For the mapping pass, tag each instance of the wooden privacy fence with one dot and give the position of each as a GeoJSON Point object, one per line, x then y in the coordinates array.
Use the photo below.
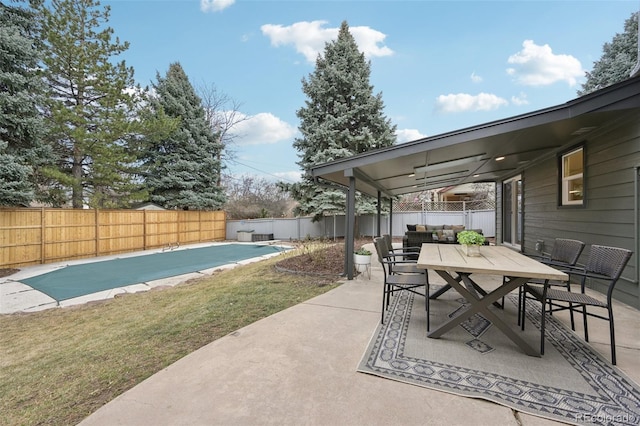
{"type": "Point", "coordinates": [31, 236]}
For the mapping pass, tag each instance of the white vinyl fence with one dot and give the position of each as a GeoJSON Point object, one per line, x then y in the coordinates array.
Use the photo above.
{"type": "Point", "coordinates": [334, 226]}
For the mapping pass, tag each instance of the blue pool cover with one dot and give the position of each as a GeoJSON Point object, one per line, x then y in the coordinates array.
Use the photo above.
{"type": "Point", "coordinates": [80, 280]}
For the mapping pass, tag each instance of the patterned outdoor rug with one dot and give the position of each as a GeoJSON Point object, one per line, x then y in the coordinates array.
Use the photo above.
{"type": "Point", "coordinates": [570, 383]}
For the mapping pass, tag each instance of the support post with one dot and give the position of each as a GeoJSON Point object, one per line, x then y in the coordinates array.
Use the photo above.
{"type": "Point", "coordinates": [350, 219]}
{"type": "Point", "coordinates": [379, 216]}
{"type": "Point", "coordinates": [391, 217]}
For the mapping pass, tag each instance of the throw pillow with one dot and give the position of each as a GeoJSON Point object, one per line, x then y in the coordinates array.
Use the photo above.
{"type": "Point", "coordinates": [448, 234]}
{"type": "Point", "coordinates": [457, 228]}
{"type": "Point", "coordinates": [421, 228]}
{"type": "Point", "coordinates": [411, 227]}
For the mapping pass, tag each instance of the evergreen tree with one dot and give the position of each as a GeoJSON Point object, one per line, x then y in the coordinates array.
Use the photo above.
{"type": "Point", "coordinates": [14, 180]}
{"type": "Point", "coordinates": [182, 170]}
{"type": "Point", "coordinates": [341, 117]}
{"type": "Point", "coordinates": [92, 107]}
{"type": "Point", "coordinates": [21, 124]}
{"type": "Point", "coordinates": [619, 57]}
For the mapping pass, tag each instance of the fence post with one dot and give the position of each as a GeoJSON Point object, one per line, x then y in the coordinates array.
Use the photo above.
{"type": "Point", "coordinates": [43, 233]}
{"type": "Point", "coordinates": [144, 230]}
{"type": "Point", "coordinates": [334, 226]}
{"type": "Point", "coordinates": [465, 216]}
{"type": "Point", "coordinates": [96, 220]}
{"type": "Point", "coordinates": [181, 220]}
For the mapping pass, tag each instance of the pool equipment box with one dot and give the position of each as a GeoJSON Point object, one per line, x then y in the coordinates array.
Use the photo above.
{"type": "Point", "coordinates": [244, 236]}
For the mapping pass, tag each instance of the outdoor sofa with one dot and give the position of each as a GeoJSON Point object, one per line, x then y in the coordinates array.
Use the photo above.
{"type": "Point", "coordinates": [416, 235]}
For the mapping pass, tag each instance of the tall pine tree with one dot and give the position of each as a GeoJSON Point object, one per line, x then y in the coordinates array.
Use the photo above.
{"type": "Point", "coordinates": [182, 170]}
{"type": "Point", "coordinates": [619, 57]}
{"type": "Point", "coordinates": [341, 117]}
{"type": "Point", "coordinates": [92, 109]}
{"type": "Point", "coordinates": [21, 124]}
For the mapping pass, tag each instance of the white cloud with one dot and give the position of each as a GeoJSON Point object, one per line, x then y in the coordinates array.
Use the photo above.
{"type": "Point", "coordinates": [519, 100]}
{"type": "Point", "coordinates": [406, 135]}
{"type": "Point", "coordinates": [460, 102]}
{"type": "Point", "coordinates": [368, 41]}
{"type": "Point", "coordinates": [263, 128]}
{"type": "Point", "coordinates": [215, 5]}
{"type": "Point", "coordinates": [475, 78]}
{"type": "Point", "coordinates": [538, 66]}
{"type": "Point", "coordinates": [309, 38]}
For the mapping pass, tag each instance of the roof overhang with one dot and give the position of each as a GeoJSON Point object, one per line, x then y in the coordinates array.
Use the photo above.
{"type": "Point", "coordinates": [489, 152]}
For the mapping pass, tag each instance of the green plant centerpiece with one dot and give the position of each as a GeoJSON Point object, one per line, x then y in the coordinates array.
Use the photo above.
{"type": "Point", "coordinates": [471, 241]}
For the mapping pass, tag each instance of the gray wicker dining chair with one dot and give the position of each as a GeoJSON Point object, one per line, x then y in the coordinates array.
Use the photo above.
{"type": "Point", "coordinates": [395, 281]}
{"type": "Point", "coordinates": [564, 255]}
{"type": "Point", "coordinates": [604, 263]}
{"type": "Point", "coordinates": [407, 267]}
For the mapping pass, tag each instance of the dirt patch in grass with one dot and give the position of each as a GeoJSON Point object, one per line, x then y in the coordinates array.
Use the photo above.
{"type": "Point", "coordinates": [322, 258]}
{"type": "Point", "coordinates": [5, 272]}
{"type": "Point", "coordinates": [327, 261]}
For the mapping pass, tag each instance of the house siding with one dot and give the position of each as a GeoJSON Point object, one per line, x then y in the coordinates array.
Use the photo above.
{"type": "Point", "coordinates": [608, 217]}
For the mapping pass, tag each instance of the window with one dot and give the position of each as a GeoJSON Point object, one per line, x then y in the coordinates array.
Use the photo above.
{"type": "Point", "coordinates": [572, 184]}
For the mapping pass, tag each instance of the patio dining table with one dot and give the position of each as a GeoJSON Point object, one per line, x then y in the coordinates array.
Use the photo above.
{"type": "Point", "coordinates": [455, 267]}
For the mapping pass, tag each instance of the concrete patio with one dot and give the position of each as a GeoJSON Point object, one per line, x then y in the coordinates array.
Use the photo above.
{"type": "Point", "coordinates": [299, 367]}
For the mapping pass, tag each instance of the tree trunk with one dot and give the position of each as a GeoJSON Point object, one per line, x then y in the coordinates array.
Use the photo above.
{"type": "Point", "coordinates": [76, 172]}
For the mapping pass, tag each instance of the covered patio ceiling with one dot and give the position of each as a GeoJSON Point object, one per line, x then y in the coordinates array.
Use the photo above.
{"type": "Point", "coordinates": [486, 153]}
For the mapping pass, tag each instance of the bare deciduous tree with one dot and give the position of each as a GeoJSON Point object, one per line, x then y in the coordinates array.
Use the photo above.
{"type": "Point", "coordinates": [222, 113]}
{"type": "Point", "coordinates": [250, 197]}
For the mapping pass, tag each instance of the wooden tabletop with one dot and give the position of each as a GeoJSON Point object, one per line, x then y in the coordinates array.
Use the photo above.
{"type": "Point", "coordinates": [493, 260]}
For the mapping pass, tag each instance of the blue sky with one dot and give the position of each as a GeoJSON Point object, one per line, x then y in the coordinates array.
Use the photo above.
{"type": "Point", "coordinates": [440, 65]}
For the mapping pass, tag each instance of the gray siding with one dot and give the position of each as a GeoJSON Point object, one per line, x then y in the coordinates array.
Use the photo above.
{"type": "Point", "coordinates": [609, 216]}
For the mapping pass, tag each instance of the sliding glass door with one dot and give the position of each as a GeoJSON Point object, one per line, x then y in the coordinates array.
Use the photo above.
{"type": "Point", "coordinates": [512, 212]}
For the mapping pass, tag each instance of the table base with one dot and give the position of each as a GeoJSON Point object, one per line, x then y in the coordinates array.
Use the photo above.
{"type": "Point", "coordinates": [468, 289]}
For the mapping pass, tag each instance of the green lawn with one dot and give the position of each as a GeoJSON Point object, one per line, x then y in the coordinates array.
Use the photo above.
{"type": "Point", "coordinates": [60, 365]}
